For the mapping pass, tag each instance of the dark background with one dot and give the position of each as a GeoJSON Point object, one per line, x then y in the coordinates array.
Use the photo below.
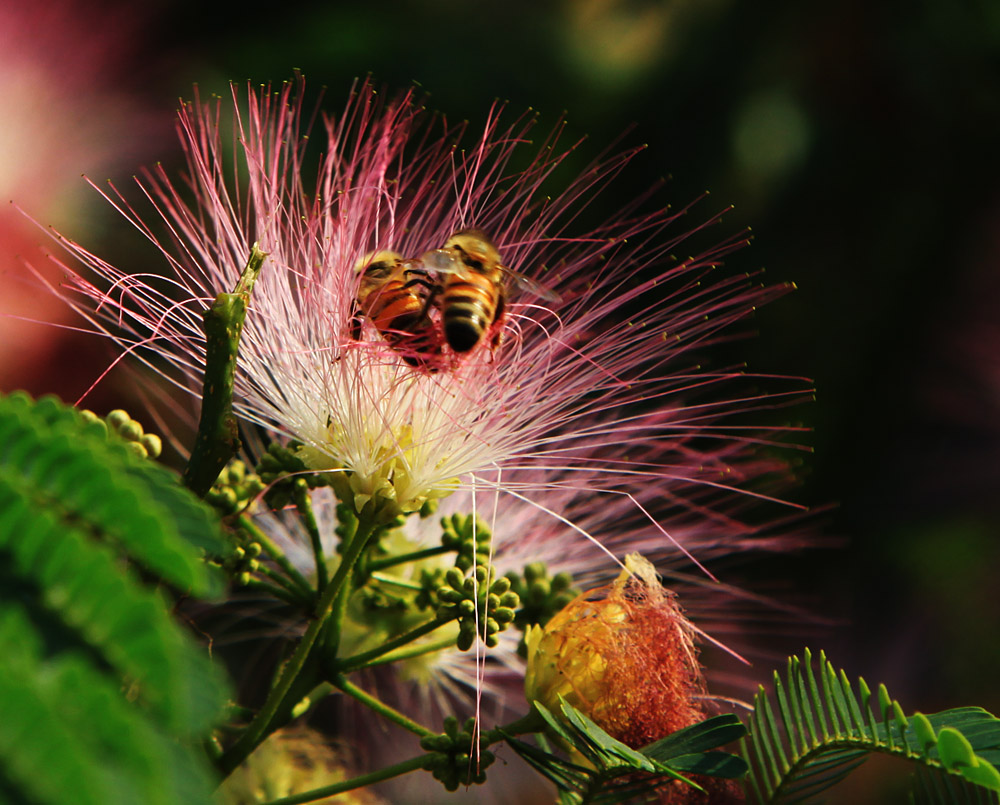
{"type": "Point", "coordinates": [860, 142]}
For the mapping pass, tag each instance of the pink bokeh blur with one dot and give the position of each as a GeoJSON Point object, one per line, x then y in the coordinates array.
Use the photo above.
{"type": "Point", "coordinates": [72, 101]}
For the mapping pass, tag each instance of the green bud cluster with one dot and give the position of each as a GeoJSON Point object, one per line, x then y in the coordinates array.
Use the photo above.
{"type": "Point", "coordinates": [371, 601]}
{"type": "Point", "coordinates": [542, 595]}
{"type": "Point", "coordinates": [450, 757]}
{"type": "Point", "coordinates": [476, 600]}
{"type": "Point", "coordinates": [144, 445]}
{"type": "Point", "coordinates": [470, 537]}
{"type": "Point", "coordinates": [234, 489]}
{"type": "Point", "coordinates": [430, 582]}
{"type": "Point", "coordinates": [279, 467]}
{"type": "Point", "coordinates": [242, 562]}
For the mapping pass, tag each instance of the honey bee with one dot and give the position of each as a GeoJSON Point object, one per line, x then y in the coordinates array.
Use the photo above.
{"type": "Point", "coordinates": [473, 287]}
{"type": "Point", "coordinates": [395, 295]}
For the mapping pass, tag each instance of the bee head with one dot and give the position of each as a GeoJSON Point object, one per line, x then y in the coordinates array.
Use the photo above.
{"type": "Point", "coordinates": [478, 251]}
{"type": "Point", "coordinates": [377, 265]}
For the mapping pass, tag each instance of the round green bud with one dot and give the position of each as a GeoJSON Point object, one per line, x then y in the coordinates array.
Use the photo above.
{"type": "Point", "coordinates": [510, 600]}
{"type": "Point", "coordinates": [117, 418]}
{"type": "Point", "coordinates": [152, 443]}
{"type": "Point", "coordinates": [562, 581]}
{"type": "Point", "coordinates": [131, 430]}
{"type": "Point", "coordinates": [137, 449]}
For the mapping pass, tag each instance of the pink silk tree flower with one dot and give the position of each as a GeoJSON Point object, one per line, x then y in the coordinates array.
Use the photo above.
{"type": "Point", "coordinates": [578, 408]}
{"type": "Point", "coordinates": [589, 347]}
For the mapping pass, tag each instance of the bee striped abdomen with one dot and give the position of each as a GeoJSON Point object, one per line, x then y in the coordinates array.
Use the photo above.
{"type": "Point", "coordinates": [396, 307]}
{"type": "Point", "coordinates": [469, 310]}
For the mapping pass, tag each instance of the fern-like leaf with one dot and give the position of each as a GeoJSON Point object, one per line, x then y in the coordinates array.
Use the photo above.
{"type": "Point", "coordinates": [616, 773]}
{"type": "Point", "coordinates": [58, 460]}
{"type": "Point", "coordinates": [102, 694]}
{"type": "Point", "coordinates": [816, 728]}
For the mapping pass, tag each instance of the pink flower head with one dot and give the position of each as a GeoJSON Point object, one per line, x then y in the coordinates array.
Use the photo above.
{"type": "Point", "coordinates": [601, 386]}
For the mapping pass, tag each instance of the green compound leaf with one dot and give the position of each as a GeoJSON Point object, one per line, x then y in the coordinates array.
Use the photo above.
{"type": "Point", "coordinates": [104, 698]}
{"type": "Point", "coordinates": [54, 459]}
{"type": "Point", "coordinates": [618, 773]}
{"type": "Point", "coordinates": [812, 732]}
{"type": "Point", "coordinates": [68, 735]}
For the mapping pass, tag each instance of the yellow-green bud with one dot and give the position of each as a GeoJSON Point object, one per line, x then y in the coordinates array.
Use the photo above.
{"type": "Point", "coordinates": [152, 443]}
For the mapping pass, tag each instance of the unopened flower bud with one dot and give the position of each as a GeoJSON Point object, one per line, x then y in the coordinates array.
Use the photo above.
{"type": "Point", "coordinates": [152, 443]}
{"type": "Point", "coordinates": [131, 430]}
{"type": "Point", "coordinates": [625, 658]}
{"type": "Point", "coordinates": [117, 419]}
{"type": "Point", "coordinates": [137, 449]}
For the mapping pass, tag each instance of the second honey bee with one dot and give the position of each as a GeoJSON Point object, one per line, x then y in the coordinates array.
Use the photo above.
{"type": "Point", "coordinates": [473, 287]}
{"type": "Point", "coordinates": [394, 294]}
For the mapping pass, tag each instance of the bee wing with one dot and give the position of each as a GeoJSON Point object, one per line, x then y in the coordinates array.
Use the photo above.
{"type": "Point", "coordinates": [530, 285]}
{"type": "Point", "coordinates": [443, 261]}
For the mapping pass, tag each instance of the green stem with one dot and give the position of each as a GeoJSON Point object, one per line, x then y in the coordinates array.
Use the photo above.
{"type": "Point", "coordinates": [276, 699]}
{"type": "Point", "coordinates": [532, 721]}
{"type": "Point", "coordinates": [395, 582]}
{"type": "Point", "coordinates": [318, 693]}
{"type": "Point", "coordinates": [218, 438]}
{"type": "Point", "coordinates": [289, 586]}
{"type": "Point", "coordinates": [380, 707]}
{"type": "Point", "coordinates": [414, 651]}
{"type": "Point", "coordinates": [331, 640]}
{"type": "Point", "coordinates": [276, 555]}
{"type": "Point", "coordinates": [304, 504]}
{"type": "Point", "coordinates": [274, 591]}
{"type": "Point", "coordinates": [357, 782]}
{"type": "Point", "coordinates": [363, 659]}
{"type": "Point", "coordinates": [390, 561]}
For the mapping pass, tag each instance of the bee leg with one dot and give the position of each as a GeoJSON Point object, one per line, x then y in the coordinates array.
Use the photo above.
{"type": "Point", "coordinates": [498, 323]}
{"type": "Point", "coordinates": [356, 322]}
{"type": "Point", "coordinates": [434, 293]}
{"type": "Point", "coordinates": [433, 290]}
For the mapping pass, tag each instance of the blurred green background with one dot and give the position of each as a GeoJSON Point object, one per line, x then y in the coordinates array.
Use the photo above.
{"type": "Point", "coordinates": [859, 140]}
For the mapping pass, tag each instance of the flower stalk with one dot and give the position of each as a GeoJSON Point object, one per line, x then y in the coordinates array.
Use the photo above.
{"type": "Point", "coordinates": [378, 706]}
{"type": "Point", "coordinates": [281, 695]}
{"type": "Point", "coordinates": [410, 652]}
{"type": "Point", "coordinates": [407, 766]}
{"type": "Point", "coordinates": [218, 430]}
{"type": "Point", "coordinates": [277, 556]}
{"type": "Point", "coordinates": [304, 505]}
{"type": "Point", "coordinates": [366, 658]}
